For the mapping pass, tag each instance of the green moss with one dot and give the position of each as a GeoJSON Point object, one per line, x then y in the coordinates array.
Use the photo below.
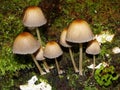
{"type": "Point", "coordinates": [106, 75]}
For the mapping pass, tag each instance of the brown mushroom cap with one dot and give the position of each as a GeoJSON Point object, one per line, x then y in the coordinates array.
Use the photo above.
{"type": "Point", "coordinates": [25, 43]}
{"type": "Point", "coordinates": [63, 38]}
{"type": "Point", "coordinates": [79, 32]}
{"type": "Point", "coordinates": [52, 50]}
{"type": "Point", "coordinates": [39, 55]}
{"type": "Point", "coordinates": [34, 17]}
{"type": "Point", "coordinates": [93, 47]}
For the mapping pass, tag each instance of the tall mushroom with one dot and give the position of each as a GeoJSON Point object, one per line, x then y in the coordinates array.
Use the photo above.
{"type": "Point", "coordinates": [79, 32]}
{"type": "Point", "coordinates": [65, 44]}
{"type": "Point", "coordinates": [39, 56]}
{"type": "Point", "coordinates": [24, 44]}
{"type": "Point", "coordinates": [93, 49]}
{"type": "Point", "coordinates": [34, 18]}
{"type": "Point", "coordinates": [52, 51]}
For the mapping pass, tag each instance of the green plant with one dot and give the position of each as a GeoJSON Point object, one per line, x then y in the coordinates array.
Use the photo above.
{"type": "Point", "coordinates": [105, 75]}
{"type": "Point", "coordinates": [90, 88]}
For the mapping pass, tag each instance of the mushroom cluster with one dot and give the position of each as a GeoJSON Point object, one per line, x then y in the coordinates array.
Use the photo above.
{"type": "Point", "coordinates": [78, 32]}
{"type": "Point", "coordinates": [34, 18]}
{"type": "Point", "coordinates": [25, 43]}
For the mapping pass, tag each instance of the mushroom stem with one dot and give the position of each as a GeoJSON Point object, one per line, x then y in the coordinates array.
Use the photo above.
{"type": "Point", "coordinates": [38, 35]}
{"type": "Point", "coordinates": [45, 65]}
{"type": "Point", "coordinates": [73, 61]}
{"type": "Point", "coordinates": [38, 66]}
{"type": "Point", "coordinates": [93, 64]}
{"type": "Point", "coordinates": [80, 60]}
{"type": "Point", "coordinates": [39, 38]}
{"type": "Point", "coordinates": [58, 68]}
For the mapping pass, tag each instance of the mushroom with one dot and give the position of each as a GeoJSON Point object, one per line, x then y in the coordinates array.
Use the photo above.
{"type": "Point", "coordinates": [34, 18]}
{"type": "Point", "coordinates": [79, 32]}
{"type": "Point", "coordinates": [93, 49]}
{"type": "Point", "coordinates": [24, 44]}
{"type": "Point", "coordinates": [65, 44]}
{"type": "Point", "coordinates": [39, 56]}
{"type": "Point", "coordinates": [52, 51]}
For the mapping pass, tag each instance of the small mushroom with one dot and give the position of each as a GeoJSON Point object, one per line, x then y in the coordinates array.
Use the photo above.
{"type": "Point", "coordinates": [34, 18]}
{"type": "Point", "coordinates": [65, 44]}
{"type": "Point", "coordinates": [52, 51]}
{"type": "Point", "coordinates": [24, 44]}
{"type": "Point", "coordinates": [79, 32]}
{"type": "Point", "coordinates": [39, 56]}
{"type": "Point", "coordinates": [93, 49]}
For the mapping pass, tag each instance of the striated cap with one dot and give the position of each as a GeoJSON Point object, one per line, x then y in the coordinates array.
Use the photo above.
{"type": "Point", "coordinates": [63, 38]}
{"type": "Point", "coordinates": [25, 43]}
{"type": "Point", "coordinates": [39, 54]}
{"type": "Point", "coordinates": [34, 17]}
{"type": "Point", "coordinates": [52, 50]}
{"type": "Point", "coordinates": [79, 32]}
{"type": "Point", "coordinates": [93, 47]}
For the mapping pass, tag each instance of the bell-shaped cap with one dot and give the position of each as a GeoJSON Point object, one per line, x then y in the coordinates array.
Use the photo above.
{"type": "Point", "coordinates": [34, 17]}
{"type": "Point", "coordinates": [79, 31]}
{"type": "Point", "coordinates": [52, 50]}
{"type": "Point", "coordinates": [25, 43]}
{"type": "Point", "coordinates": [39, 54]}
{"type": "Point", "coordinates": [93, 47]}
{"type": "Point", "coordinates": [63, 41]}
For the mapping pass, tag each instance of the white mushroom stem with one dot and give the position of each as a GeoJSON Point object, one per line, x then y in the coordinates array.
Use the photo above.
{"type": "Point", "coordinates": [46, 67]}
{"type": "Point", "coordinates": [73, 61]}
{"type": "Point", "coordinates": [93, 64]}
{"type": "Point", "coordinates": [39, 38]}
{"type": "Point", "coordinates": [80, 60]}
{"type": "Point", "coordinates": [38, 35]}
{"type": "Point", "coordinates": [38, 66]}
{"type": "Point", "coordinates": [57, 65]}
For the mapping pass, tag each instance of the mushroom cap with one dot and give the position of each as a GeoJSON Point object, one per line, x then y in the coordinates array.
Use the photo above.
{"type": "Point", "coordinates": [79, 32]}
{"type": "Point", "coordinates": [25, 43]}
{"type": "Point", "coordinates": [93, 47]}
{"type": "Point", "coordinates": [39, 54]}
{"type": "Point", "coordinates": [52, 50]}
{"type": "Point", "coordinates": [34, 17]}
{"type": "Point", "coordinates": [63, 41]}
